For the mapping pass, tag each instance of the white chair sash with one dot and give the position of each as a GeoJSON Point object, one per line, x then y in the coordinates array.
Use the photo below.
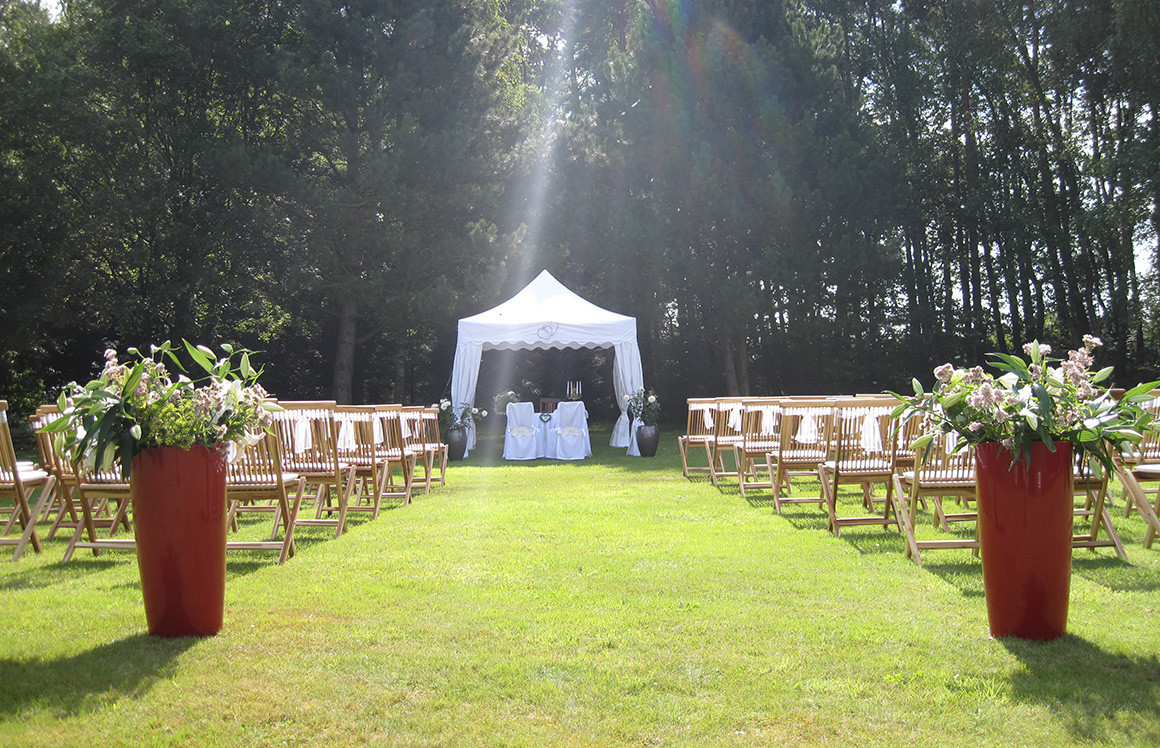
{"type": "Point", "coordinates": [303, 440]}
{"type": "Point", "coordinates": [346, 439]}
{"type": "Point", "coordinates": [807, 432]}
{"type": "Point", "coordinates": [871, 434]}
{"type": "Point", "coordinates": [768, 419]}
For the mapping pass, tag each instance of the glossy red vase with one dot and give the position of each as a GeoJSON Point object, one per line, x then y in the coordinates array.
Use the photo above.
{"type": "Point", "coordinates": [179, 522]}
{"type": "Point", "coordinates": [1025, 529]}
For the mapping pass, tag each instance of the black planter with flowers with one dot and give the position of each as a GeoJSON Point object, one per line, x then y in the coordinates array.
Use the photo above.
{"type": "Point", "coordinates": [644, 408]}
{"type": "Point", "coordinates": [456, 444]}
{"type": "Point", "coordinates": [648, 438]}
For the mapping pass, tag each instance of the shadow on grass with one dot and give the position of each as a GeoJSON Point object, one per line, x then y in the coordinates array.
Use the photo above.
{"type": "Point", "coordinates": [1115, 574]}
{"type": "Point", "coordinates": [1097, 694]}
{"type": "Point", "coordinates": [967, 575]}
{"type": "Point", "coordinates": [76, 685]}
{"type": "Point", "coordinates": [59, 572]}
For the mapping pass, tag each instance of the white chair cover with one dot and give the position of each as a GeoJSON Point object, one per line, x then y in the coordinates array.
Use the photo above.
{"type": "Point", "coordinates": [572, 442]}
{"type": "Point", "coordinates": [524, 438]}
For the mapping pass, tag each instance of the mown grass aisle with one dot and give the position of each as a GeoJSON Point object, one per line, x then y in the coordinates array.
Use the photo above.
{"type": "Point", "coordinates": [609, 602]}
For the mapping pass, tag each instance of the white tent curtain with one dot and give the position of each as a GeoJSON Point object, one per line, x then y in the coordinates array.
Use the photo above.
{"type": "Point", "coordinates": [546, 314]}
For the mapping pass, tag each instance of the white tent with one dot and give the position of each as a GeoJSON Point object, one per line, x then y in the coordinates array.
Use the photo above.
{"type": "Point", "coordinates": [546, 314]}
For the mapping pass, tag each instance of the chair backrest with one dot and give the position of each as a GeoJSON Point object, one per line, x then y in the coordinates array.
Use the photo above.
{"type": "Point", "coordinates": [392, 444]}
{"type": "Point", "coordinates": [259, 464]}
{"type": "Point", "coordinates": [805, 428]}
{"type": "Point", "coordinates": [306, 436]}
{"type": "Point", "coordinates": [936, 465]}
{"type": "Point", "coordinates": [357, 436]}
{"type": "Point", "coordinates": [520, 415]}
{"type": "Point", "coordinates": [50, 460]}
{"type": "Point", "coordinates": [728, 420]}
{"type": "Point", "coordinates": [1149, 451]}
{"type": "Point", "coordinates": [571, 415]}
{"type": "Point", "coordinates": [701, 418]}
{"type": "Point", "coordinates": [862, 438]}
{"type": "Point", "coordinates": [430, 418]}
{"type": "Point", "coordinates": [411, 426]}
{"type": "Point", "coordinates": [9, 474]}
{"type": "Point", "coordinates": [760, 424]}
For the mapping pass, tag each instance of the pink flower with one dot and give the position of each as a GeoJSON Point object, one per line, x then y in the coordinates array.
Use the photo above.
{"type": "Point", "coordinates": [944, 373]}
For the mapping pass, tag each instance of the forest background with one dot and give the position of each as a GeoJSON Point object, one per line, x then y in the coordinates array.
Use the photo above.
{"type": "Point", "coordinates": [791, 196]}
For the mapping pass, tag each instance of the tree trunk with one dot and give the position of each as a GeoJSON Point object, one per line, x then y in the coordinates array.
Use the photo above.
{"type": "Point", "coordinates": [344, 353]}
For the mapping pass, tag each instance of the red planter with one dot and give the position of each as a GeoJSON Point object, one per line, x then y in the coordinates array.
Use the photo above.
{"type": "Point", "coordinates": [1025, 529]}
{"type": "Point", "coordinates": [179, 521]}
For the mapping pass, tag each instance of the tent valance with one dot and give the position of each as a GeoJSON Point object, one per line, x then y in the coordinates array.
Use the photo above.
{"type": "Point", "coordinates": [547, 314]}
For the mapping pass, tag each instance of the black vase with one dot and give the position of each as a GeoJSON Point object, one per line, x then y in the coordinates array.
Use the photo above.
{"type": "Point", "coordinates": [647, 439]}
{"type": "Point", "coordinates": [456, 444]}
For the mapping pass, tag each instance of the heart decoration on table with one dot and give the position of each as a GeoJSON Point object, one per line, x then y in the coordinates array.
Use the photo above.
{"type": "Point", "coordinates": [545, 417]}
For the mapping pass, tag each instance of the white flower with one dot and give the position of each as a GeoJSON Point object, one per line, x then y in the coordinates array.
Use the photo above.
{"type": "Point", "coordinates": [627, 398]}
{"type": "Point", "coordinates": [652, 398]}
{"type": "Point", "coordinates": [483, 414]}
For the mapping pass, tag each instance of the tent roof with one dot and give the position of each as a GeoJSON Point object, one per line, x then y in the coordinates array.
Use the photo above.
{"type": "Point", "coordinates": [547, 314]}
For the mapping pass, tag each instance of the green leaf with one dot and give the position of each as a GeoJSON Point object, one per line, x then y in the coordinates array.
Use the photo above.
{"type": "Point", "coordinates": [1142, 391]}
{"type": "Point", "coordinates": [201, 356]}
{"type": "Point", "coordinates": [1013, 364]}
{"type": "Point", "coordinates": [133, 379]}
{"type": "Point", "coordinates": [1102, 374]}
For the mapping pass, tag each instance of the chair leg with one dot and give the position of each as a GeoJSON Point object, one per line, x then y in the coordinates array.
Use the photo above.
{"type": "Point", "coordinates": [288, 547]}
{"type": "Point", "coordinates": [29, 520]}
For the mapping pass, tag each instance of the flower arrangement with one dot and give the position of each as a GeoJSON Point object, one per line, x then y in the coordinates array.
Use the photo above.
{"type": "Point", "coordinates": [139, 405]}
{"type": "Point", "coordinates": [451, 418]}
{"type": "Point", "coordinates": [500, 401]}
{"type": "Point", "coordinates": [1040, 399]}
{"type": "Point", "coordinates": [644, 405]}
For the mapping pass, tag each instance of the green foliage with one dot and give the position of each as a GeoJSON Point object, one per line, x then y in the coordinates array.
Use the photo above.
{"type": "Point", "coordinates": [131, 407]}
{"type": "Point", "coordinates": [819, 195]}
{"type": "Point", "coordinates": [1034, 401]}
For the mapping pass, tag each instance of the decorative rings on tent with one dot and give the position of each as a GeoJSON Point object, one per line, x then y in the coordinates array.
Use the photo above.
{"type": "Point", "coordinates": [548, 330]}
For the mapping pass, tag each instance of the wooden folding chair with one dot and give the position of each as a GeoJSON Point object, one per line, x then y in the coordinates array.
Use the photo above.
{"type": "Point", "coordinates": [1091, 482]}
{"type": "Point", "coordinates": [1148, 453]}
{"type": "Point", "coordinates": [434, 444]}
{"type": "Point", "coordinates": [415, 439]}
{"type": "Point", "coordinates": [1131, 479]}
{"type": "Point", "coordinates": [803, 444]}
{"type": "Point", "coordinates": [357, 440]}
{"type": "Point", "coordinates": [257, 476]}
{"type": "Point", "coordinates": [393, 451]}
{"type": "Point", "coordinates": [698, 434]}
{"type": "Point", "coordinates": [936, 474]}
{"type": "Point", "coordinates": [306, 437]}
{"type": "Point", "coordinates": [760, 435]}
{"type": "Point", "coordinates": [727, 423]}
{"type": "Point", "coordinates": [17, 482]}
{"type": "Point", "coordinates": [862, 440]}
{"type": "Point", "coordinates": [104, 498]}
{"type": "Point", "coordinates": [62, 501]}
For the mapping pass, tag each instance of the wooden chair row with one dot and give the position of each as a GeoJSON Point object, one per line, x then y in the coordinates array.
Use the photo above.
{"type": "Point", "coordinates": [335, 460]}
{"type": "Point", "coordinates": [855, 441]}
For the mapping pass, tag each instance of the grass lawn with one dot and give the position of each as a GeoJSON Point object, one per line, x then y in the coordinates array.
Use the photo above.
{"type": "Point", "coordinates": [609, 602]}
